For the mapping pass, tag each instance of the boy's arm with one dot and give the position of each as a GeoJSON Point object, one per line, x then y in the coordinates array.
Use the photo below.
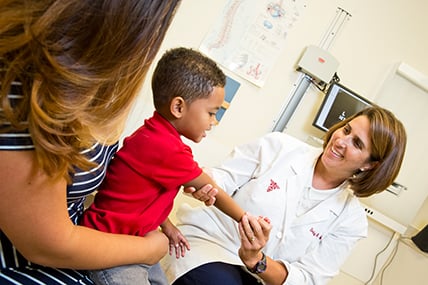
{"type": "Point", "coordinates": [223, 201]}
{"type": "Point", "coordinates": [177, 242]}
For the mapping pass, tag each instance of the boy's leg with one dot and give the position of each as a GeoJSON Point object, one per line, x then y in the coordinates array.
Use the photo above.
{"type": "Point", "coordinates": [121, 275]}
{"type": "Point", "coordinates": [157, 276]}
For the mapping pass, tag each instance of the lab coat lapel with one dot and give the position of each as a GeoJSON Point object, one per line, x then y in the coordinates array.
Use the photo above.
{"type": "Point", "coordinates": [293, 183]}
{"type": "Point", "coordinates": [296, 181]}
{"type": "Point", "coordinates": [328, 209]}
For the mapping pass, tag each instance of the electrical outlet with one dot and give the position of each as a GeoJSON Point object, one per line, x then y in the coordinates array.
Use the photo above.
{"type": "Point", "coordinates": [384, 220]}
{"type": "Point", "coordinates": [396, 188]}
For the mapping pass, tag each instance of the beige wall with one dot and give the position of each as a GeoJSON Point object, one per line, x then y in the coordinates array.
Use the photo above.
{"type": "Point", "coordinates": [379, 35]}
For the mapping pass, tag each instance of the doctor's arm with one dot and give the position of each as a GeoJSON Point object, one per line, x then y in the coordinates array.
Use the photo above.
{"type": "Point", "coordinates": [322, 260]}
{"type": "Point", "coordinates": [254, 233]}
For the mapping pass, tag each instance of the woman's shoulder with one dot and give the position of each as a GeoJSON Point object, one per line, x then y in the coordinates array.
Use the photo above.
{"type": "Point", "coordinates": [354, 208]}
{"type": "Point", "coordinates": [280, 140]}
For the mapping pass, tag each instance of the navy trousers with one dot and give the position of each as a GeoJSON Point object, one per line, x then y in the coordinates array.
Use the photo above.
{"type": "Point", "coordinates": [216, 273]}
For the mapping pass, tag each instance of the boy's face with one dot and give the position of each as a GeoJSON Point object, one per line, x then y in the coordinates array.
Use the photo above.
{"type": "Point", "coordinates": [200, 115]}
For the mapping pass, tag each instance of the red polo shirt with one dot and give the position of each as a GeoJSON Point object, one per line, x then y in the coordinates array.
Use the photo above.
{"type": "Point", "coordinates": [142, 180]}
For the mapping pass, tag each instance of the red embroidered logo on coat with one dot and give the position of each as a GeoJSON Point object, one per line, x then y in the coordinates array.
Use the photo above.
{"type": "Point", "coordinates": [272, 186]}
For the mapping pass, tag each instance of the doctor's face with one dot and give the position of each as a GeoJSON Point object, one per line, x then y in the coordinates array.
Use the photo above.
{"type": "Point", "coordinates": [349, 148]}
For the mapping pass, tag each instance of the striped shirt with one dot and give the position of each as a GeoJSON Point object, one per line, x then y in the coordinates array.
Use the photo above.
{"type": "Point", "coordinates": [14, 268]}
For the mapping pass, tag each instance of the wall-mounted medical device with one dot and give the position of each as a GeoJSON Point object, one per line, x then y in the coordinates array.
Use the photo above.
{"type": "Point", "coordinates": [318, 64]}
{"type": "Point", "coordinates": [318, 67]}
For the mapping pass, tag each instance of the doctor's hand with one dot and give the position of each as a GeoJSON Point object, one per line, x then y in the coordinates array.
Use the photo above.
{"type": "Point", "coordinates": [254, 232]}
{"type": "Point", "coordinates": [204, 194]}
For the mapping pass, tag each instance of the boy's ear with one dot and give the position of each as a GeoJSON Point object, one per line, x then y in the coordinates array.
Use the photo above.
{"type": "Point", "coordinates": [177, 107]}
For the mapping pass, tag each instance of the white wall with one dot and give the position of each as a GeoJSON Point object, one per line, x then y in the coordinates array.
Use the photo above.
{"type": "Point", "coordinates": [379, 34]}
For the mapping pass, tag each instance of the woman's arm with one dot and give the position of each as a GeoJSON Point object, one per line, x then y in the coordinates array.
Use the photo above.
{"type": "Point", "coordinates": [34, 216]}
{"type": "Point", "coordinates": [254, 233]}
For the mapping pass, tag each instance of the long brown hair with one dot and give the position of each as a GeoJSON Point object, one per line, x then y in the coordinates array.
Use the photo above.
{"type": "Point", "coordinates": [388, 145]}
{"type": "Point", "coordinates": [81, 64]}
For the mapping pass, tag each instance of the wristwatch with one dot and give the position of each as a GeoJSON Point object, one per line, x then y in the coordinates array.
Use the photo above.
{"type": "Point", "coordinates": [260, 266]}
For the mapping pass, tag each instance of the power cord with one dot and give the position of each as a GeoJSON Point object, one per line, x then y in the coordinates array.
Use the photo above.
{"type": "Point", "coordinates": [377, 256]}
{"type": "Point", "coordinates": [391, 257]}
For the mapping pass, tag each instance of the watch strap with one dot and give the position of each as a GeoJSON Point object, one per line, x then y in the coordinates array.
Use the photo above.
{"type": "Point", "coordinates": [260, 266]}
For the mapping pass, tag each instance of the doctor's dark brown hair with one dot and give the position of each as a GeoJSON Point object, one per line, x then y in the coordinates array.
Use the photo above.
{"type": "Point", "coordinates": [81, 63]}
{"type": "Point", "coordinates": [388, 144]}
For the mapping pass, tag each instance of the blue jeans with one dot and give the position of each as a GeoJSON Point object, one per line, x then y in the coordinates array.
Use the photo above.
{"type": "Point", "coordinates": [129, 275]}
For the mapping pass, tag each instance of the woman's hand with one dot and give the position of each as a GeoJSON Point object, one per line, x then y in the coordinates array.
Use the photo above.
{"type": "Point", "coordinates": [254, 233]}
{"type": "Point", "coordinates": [205, 194]}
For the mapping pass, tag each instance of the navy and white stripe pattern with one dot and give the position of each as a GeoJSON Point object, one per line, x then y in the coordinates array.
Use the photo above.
{"type": "Point", "coordinates": [14, 268]}
{"type": "Point", "coordinates": [18, 140]}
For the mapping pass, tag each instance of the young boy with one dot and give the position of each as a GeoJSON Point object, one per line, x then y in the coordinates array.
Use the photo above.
{"type": "Point", "coordinates": [146, 174]}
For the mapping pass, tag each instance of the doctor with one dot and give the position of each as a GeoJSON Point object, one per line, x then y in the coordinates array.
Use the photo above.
{"type": "Point", "coordinates": [305, 216]}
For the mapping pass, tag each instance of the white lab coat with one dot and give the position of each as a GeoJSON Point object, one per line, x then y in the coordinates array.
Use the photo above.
{"type": "Point", "coordinates": [266, 178]}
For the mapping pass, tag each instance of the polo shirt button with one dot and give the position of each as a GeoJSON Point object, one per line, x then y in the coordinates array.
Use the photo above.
{"type": "Point", "coordinates": [278, 235]}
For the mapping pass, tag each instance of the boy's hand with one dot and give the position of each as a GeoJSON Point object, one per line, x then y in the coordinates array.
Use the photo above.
{"type": "Point", "coordinates": [177, 241]}
{"type": "Point", "coordinates": [205, 194]}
